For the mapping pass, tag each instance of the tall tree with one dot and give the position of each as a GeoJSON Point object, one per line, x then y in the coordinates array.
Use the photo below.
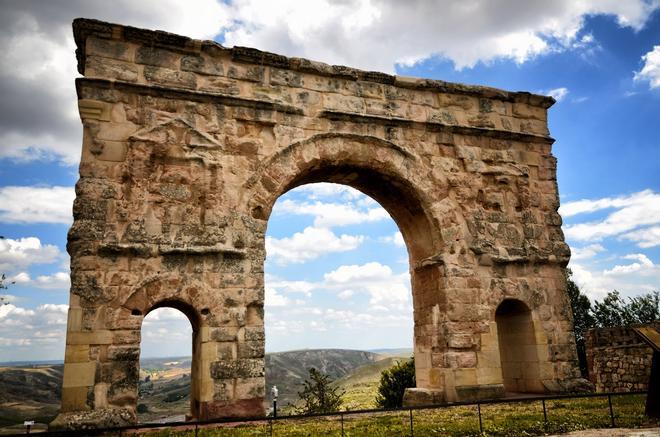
{"type": "Point", "coordinates": [318, 395]}
{"type": "Point", "coordinates": [614, 311]}
{"type": "Point", "coordinates": [582, 319]}
{"type": "Point", "coordinates": [394, 382]}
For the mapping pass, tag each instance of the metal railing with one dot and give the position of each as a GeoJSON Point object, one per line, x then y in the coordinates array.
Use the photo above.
{"type": "Point", "coordinates": [195, 426]}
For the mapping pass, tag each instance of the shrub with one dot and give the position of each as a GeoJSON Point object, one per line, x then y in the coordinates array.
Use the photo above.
{"type": "Point", "coordinates": [394, 382]}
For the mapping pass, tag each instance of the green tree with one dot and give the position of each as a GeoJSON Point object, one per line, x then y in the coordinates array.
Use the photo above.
{"type": "Point", "coordinates": [614, 311]}
{"type": "Point", "coordinates": [318, 395]}
{"type": "Point", "coordinates": [394, 382]}
{"type": "Point", "coordinates": [582, 319]}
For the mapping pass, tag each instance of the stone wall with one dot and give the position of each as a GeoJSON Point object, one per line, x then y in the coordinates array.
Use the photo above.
{"type": "Point", "coordinates": [618, 360]}
{"type": "Point", "coordinates": [186, 147]}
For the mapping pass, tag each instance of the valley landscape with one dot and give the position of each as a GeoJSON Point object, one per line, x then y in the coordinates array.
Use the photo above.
{"type": "Point", "coordinates": [31, 391]}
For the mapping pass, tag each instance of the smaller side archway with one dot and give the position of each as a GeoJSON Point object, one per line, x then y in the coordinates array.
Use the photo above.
{"type": "Point", "coordinates": [166, 292]}
{"type": "Point", "coordinates": [195, 323]}
{"type": "Point", "coordinates": [166, 383]}
{"type": "Point", "coordinates": [518, 348]}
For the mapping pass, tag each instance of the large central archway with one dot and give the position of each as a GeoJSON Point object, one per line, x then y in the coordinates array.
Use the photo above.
{"type": "Point", "coordinates": [186, 147]}
{"type": "Point", "coordinates": [382, 171]}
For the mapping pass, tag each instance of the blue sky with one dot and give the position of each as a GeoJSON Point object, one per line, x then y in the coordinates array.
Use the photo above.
{"type": "Point", "coordinates": [336, 274]}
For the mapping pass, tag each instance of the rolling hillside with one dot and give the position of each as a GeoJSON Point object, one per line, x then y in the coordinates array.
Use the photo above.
{"type": "Point", "coordinates": [32, 392]}
{"type": "Point", "coordinates": [288, 370]}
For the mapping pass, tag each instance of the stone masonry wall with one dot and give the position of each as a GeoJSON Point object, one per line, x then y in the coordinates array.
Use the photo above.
{"type": "Point", "coordinates": [618, 361]}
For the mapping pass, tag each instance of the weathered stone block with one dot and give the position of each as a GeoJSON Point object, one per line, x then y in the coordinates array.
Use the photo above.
{"type": "Point", "coordinates": [79, 374]}
{"type": "Point", "coordinates": [168, 77]}
{"type": "Point", "coordinates": [157, 57]}
{"type": "Point", "coordinates": [109, 49]}
{"type": "Point", "coordinates": [240, 368]}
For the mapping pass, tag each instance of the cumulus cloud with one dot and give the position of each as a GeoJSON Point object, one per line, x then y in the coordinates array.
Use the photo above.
{"type": "Point", "coordinates": [645, 238]}
{"type": "Point", "coordinates": [19, 254]}
{"type": "Point", "coordinates": [558, 93]}
{"type": "Point", "coordinates": [37, 333]}
{"type": "Point", "coordinates": [328, 189]}
{"type": "Point", "coordinates": [38, 66]}
{"type": "Point", "coordinates": [631, 213]}
{"type": "Point", "coordinates": [332, 214]}
{"type": "Point", "coordinates": [274, 299]}
{"type": "Point", "coordinates": [56, 281]}
{"type": "Point", "coordinates": [309, 244]}
{"type": "Point", "coordinates": [586, 252]}
{"type": "Point", "coordinates": [643, 263]}
{"type": "Point", "coordinates": [373, 278]}
{"type": "Point", "coordinates": [631, 279]}
{"type": "Point", "coordinates": [36, 204]}
{"type": "Point", "coordinates": [396, 239]}
{"type": "Point", "coordinates": [379, 34]}
{"type": "Point", "coordinates": [166, 332]}
{"type": "Point", "coordinates": [650, 72]}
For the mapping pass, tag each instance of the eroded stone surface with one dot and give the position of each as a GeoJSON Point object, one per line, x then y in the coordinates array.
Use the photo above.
{"type": "Point", "coordinates": [186, 147]}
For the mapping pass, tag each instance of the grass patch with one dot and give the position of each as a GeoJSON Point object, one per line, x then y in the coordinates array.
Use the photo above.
{"type": "Point", "coordinates": [510, 419]}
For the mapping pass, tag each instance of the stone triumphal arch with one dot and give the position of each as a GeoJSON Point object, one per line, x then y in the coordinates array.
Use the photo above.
{"type": "Point", "coordinates": [188, 144]}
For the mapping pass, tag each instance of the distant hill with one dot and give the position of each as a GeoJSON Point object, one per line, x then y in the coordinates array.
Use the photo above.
{"type": "Point", "coordinates": [361, 385]}
{"type": "Point", "coordinates": [288, 370]}
{"type": "Point", "coordinates": [32, 392]}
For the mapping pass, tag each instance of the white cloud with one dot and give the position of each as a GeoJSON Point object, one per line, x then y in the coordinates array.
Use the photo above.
{"type": "Point", "coordinates": [38, 65]}
{"type": "Point", "coordinates": [56, 281]}
{"type": "Point", "coordinates": [328, 189]}
{"type": "Point", "coordinates": [632, 212]}
{"type": "Point", "coordinates": [376, 279]}
{"type": "Point", "coordinates": [166, 332]}
{"type": "Point", "coordinates": [37, 68]}
{"type": "Point", "coordinates": [645, 237]}
{"type": "Point", "coordinates": [642, 276]}
{"type": "Point", "coordinates": [586, 252]}
{"type": "Point", "coordinates": [396, 239]}
{"type": "Point", "coordinates": [37, 333]}
{"type": "Point", "coordinates": [378, 34]}
{"type": "Point", "coordinates": [643, 264]}
{"type": "Point", "coordinates": [36, 204]}
{"type": "Point", "coordinates": [19, 254]}
{"type": "Point", "coordinates": [345, 294]}
{"type": "Point", "coordinates": [363, 321]}
{"type": "Point", "coordinates": [274, 299]}
{"type": "Point", "coordinates": [304, 287]}
{"type": "Point", "coordinates": [164, 314]}
{"type": "Point", "coordinates": [558, 93]}
{"type": "Point", "coordinates": [331, 214]}
{"type": "Point", "coordinates": [309, 244]}
{"type": "Point", "coordinates": [650, 72]}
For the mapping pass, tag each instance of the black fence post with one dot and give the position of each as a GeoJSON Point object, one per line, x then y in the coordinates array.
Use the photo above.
{"type": "Point", "coordinates": [545, 414]}
{"type": "Point", "coordinates": [609, 400]}
{"type": "Point", "coordinates": [412, 431]}
{"type": "Point", "coordinates": [196, 428]}
{"type": "Point", "coordinates": [341, 417]}
{"type": "Point", "coordinates": [481, 427]}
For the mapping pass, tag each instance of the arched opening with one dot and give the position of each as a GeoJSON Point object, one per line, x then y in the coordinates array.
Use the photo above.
{"type": "Point", "coordinates": [388, 174]}
{"type": "Point", "coordinates": [518, 347]}
{"type": "Point", "coordinates": [337, 286]}
{"type": "Point", "coordinates": [168, 364]}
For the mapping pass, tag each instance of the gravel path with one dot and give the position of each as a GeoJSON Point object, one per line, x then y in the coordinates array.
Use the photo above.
{"type": "Point", "coordinates": [617, 432]}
